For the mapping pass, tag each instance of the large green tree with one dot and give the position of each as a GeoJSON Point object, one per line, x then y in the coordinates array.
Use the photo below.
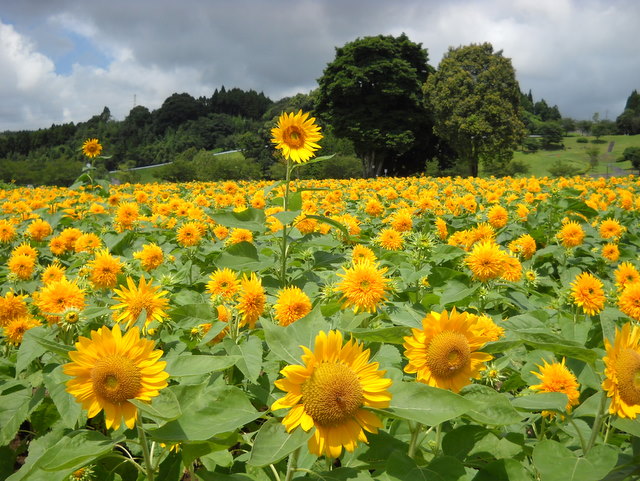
{"type": "Point", "coordinates": [474, 98]}
{"type": "Point", "coordinates": [371, 94]}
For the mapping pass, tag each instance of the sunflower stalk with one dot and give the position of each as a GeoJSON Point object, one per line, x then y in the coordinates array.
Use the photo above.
{"type": "Point", "coordinates": [285, 205]}
{"type": "Point", "coordinates": [597, 423]}
{"type": "Point", "coordinates": [292, 464]}
{"type": "Point", "coordinates": [415, 433]}
{"type": "Point", "coordinates": [146, 454]}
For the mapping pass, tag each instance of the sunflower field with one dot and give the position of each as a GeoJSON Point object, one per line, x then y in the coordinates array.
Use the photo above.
{"type": "Point", "coordinates": [385, 329]}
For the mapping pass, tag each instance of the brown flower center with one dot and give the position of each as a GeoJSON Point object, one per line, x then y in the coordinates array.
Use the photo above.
{"type": "Point", "coordinates": [332, 394]}
{"type": "Point", "coordinates": [628, 371]}
{"type": "Point", "coordinates": [293, 137]}
{"type": "Point", "coordinates": [116, 378]}
{"type": "Point", "coordinates": [448, 353]}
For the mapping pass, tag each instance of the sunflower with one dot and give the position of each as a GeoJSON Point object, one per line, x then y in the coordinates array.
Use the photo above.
{"type": "Point", "coordinates": [402, 221]}
{"type": "Point", "coordinates": [39, 229]}
{"type": "Point", "coordinates": [497, 216]}
{"type": "Point", "coordinates": [390, 239]}
{"type": "Point", "coordinates": [57, 296]}
{"type": "Point", "coordinates": [626, 273]}
{"type": "Point", "coordinates": [22, 265]}
{"type": "Point", "coordinates": [610, 229]}
{"type": "Point", "coordinates": [57, 246]}
{"type": "Point", "coordinates": [587, 293]}
{"type": "Point", "coordinates": [629, 300]}
{"type": "Point", "coordinates": [441, 228]}
{"type": "Point", "coordinates": [15, 329]}
{"type": "Point", "coordinates": [374, 207]}
{"type": "Point", "coordinates": [87, 243]}
{"type": "Point", "coordinates": [444, 353]}
{"type": "Point", "coordinates": [622, 371]}
{"type": "Point", "coordinates": [486, 261]}
{"type": "Point", "coordinates": [7, 231]}
{"type": "Point", "coordinates": [53, 272]}
{"type": "Point", "coordinates": [221, 232]}
{"type": "Point", "coordinates": [363, 286]}
{"type": "Point", "coordinates": [25, 249]}
{"type": "Point", "coordinates": [189, 234]}
{"type": "Point", "coordinates": [91, 148]}
{"type": "Point", "coordinates": [360, 253]}
{"type": "Point", "coordinates": [239, 234]}
{"type": "Point", "coordinates": [556, 377]}
{"type": "Point", "coordinates": [110, 369]}
{"type": "Point", "coordinates": [485, 327]}
{"type": "Point", "coordinates": [611, 252]}
{"type": "Point", "coordinates": [296, 136]}
{"type": "Point", "coordinates": [329, 391]}
{"type": "Point", "coordinates": [69, 236]}
{"type": "Point", "coordinates": [151, 257]}
{"type": "Point", "coordinates": [292, 304]}
{"type": "Point", "coordinates": [127, 213]}
{"type": "Point", "coordinates": [571, 234]}
{"type": "Point", "coordinates": [104, 270]}
{"type": "Point", "coordinates": [512, 269]}
{"type": "Point", "coordinates": [525, 245]}
{"type": "Point", "coordinates": [12, 307]}
{"type": "Point", "coordinates": [224, 283]}
{"type": "Point", "coordinates": [135, 299]}
{"type": "Point", "coordinates": [251, 300]}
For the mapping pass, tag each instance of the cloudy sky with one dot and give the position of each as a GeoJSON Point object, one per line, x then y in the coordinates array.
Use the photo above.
{"type": "Point", "coordinates": [65, 60]}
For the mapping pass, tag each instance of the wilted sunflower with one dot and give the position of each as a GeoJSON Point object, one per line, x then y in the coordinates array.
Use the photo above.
{"type": "Point", "coordinates": [329, 391]}
{"type": "Point", "coordinates": [363, 286]}
{"type": "Point", "coordinates": [110, 369]}
{"type": "Point", "coordinates": [104, 270]}
{"type": "Point", "coordinates": [251, 300]}
{"type": "Point", "coordinates": [587, 292]}
{"type": "Point", "coordinates": [556, 377]}
{"type": "Point", "coordinates": [135, 299]}
{"type": "Point", "coordinates": [91, 148]}
{"type": "Point", "coordinates": [629, 300]}
{"type": "Point", "coordinates": [292, 304]}
{"type": "Point", "coordinates": [622, 371]}
{"type": "Point", "coordinates": [223, 282]}
{"type": "Point", "coordinates": [486, 261]}
{"type": "Point", "coordinates": [151, 256]}
{"type": "Point", "coordinates": [444, 353]}
{"type": "Point", "coordinates": [296, 136]}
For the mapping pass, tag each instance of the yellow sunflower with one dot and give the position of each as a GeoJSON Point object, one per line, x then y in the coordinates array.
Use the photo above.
{"type": "Point", "coordinates": [626, 273]}
{"type": "Point", "coordinates": [360, 253]}
{"type": "Point", "coordinates": [53, 272]}
{"type": "Point", "coordinates": [22, 265]}
{"type": "Point", "coordinates": [238, 235]}
{"type": "Point", "coordinates": [104, 270]}
{"type": "Point", "coordinates": [486, 261]}
{"type": "Point", "coordinates": [151, 256]}
{"type": "Point", "coordinates": [587, 292]}
{"type": "Point", "coordinates": [610, 251]}
{"type": "Point", "coordinates": [135, 299]}
{"type": "Point", "coordinates": [57, 296]}
{"type": "Point", "coordinates": [556, 377]}
{"type": "Point", "coordinates": [622, 371]}
{"type": "Point", "coordinates": [497, 216]}
{"type": "Point", "coordinates": [7, 231]}
{"type": "Point", "coordinates": [571, 234]}
{"type": "Point", "coordinates": [292, 304]}
{"type": "Point", "coordinates": [12, 307]}
{"type": "Point", "coordinates": [39, 229]}
{"type": "Point", "coordinates": [329, 391]}
{"type": "Point", "coordinates": [629, 300]}
{"type": "Point", "coordinates": [251, 300]}
{"type": "Point", "coordinates": [296, 136]}
{"type": "Point", "coordinates": [15, 329]}
{"type": "Point", "coordinates": [189, 234]}
{"type": "Point", "coordinates": [444, 353]}
{"type": "Point", "coordinates": [91, 148]}
{"type": "Point", "coordinates": [363, 286]}
{"type": "Point", "coordinates": [127, 213]}
{"type": "Point", "coordinates": [223, 282]}
{"type": "Point", "coordinates": [611, 229]}
{"type": "Point", "coordinates": [110, 369]}
{"type": "Point", "coordinates": [390, 239]}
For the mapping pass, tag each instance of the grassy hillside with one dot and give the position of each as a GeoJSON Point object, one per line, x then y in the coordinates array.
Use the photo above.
{"type": "Point", "coordinates": [575, 153]}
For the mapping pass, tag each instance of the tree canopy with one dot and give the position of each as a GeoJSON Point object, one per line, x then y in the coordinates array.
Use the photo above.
{"type": "Point", "coordinates": [474, 98]}
{"type": "Point", "coordinates": [371, 94]}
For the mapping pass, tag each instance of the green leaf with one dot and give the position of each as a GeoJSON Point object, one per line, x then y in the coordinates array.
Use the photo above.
{"type": "Point", "coordinates": [287, 217]}
{"type": "Point", "coordinates": [215, 410]}
{"type": "Point", "coordinates": [164, 407]}
{"type": "Point", "coordinates": [184, 365]}
{"type": "Point", "coordinates": [454, 291]}
{"type": "Point", "coordinates": [489, 406]}
{"type": "Point", "coordinates": [251, 218]}
{"type": "Point", "coordinates": [249, 354]}
{"type": "Point", "coordinates": [391, 335]}
{"type": "Point", "coordinates": [631, 426]}
{"type": "Point", "coordinates": [273, 443]}
{"type": "Point", "coordinates": [18, 401]}
{"type": "Point", "coordinates": [75, 450]}
{"type": "Point", "coordinates": [314, 160]}
{"type": "Point", "coordinates": [285, 342]}
{"type": "Point", "coordinates": [557, 463]}
{"type": "Point", "coordinates": [503, 470]}
{"type": "Point", "coordinates": [543, 401]}
{"type": "Point", "coordinates": [242, 256]}
{"type": "Point", "coordinates": [557, 345]}
{"type": "Point", "coordinates": [171, 468]}
{"type": "Point", "coordinates": [35, 343]}
{"type": "Point", "coordinates": [426, 404]}
{"type": "Point", "coordinates": [66, 404]}
{"type": "Point", "coordinates": [331, 222]}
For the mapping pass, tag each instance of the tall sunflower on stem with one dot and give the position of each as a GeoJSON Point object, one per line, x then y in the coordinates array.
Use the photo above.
{"type": "Point", "coordinates": [296, 136]}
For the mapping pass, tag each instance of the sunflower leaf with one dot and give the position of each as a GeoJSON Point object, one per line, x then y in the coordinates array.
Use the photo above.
{"type": "Point", "coordinates": [273, 443]}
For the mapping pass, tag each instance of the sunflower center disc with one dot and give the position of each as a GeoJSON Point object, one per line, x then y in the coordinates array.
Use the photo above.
{"type": "Point", "coordinates": [447, 353]}
{"type": "Point", "coordinates": [332, 394]}
{"type": "Point", "coordinates": [116, 378]}
{"type": "Point", "coordinates": [294, 138]}
{"type": "Point", "coordinates": [628, 371]}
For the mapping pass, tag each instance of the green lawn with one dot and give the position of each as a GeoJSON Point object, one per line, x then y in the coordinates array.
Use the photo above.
{"type": "Point", "coordinates": [575, 153]}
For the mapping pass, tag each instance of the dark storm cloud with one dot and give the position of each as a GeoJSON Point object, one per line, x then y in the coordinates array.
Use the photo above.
{"type": "Point", "coordinates": [580, 55]}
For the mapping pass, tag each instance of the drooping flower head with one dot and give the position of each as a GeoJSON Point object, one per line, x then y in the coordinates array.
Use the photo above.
{"type": "Point", "coordinates": [110, 369]}
{"type": "Point", "coordinates": [556, 377]}
{"type": "Point", "coordinates": [296, 135]}
{"type": "Point", "coordinates": [587, 292]}
{"type": "Point", "coordinates": [445, 352]}
{"type": "Point", "coordinates": [91, 148]}
{"type": "Point", "coordinates": [292, 304]}
{"type": "Point", "coordinates": [134, 299]}
{"type": "Point", "coordinates": [363, 286]}
{"type": "Point", "coordinates": [622, 371]}
{"type": "Point", "coordinates": [329, 391]}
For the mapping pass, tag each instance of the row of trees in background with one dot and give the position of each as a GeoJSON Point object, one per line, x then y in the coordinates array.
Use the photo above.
{"type": "Point", "coordinates": [383, 109]}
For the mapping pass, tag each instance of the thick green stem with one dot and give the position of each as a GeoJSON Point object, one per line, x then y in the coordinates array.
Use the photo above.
{"type": "Point", "coordinates": [436, 449]}
{"type": "Point", "coordinates": [597, 423]}
{"type": "Point", "coordinates": [285, 205]}
{"type": "Point", "coordinates": [413, 444]}
{"type": "Point", "coordinates": [575, 426]}
{"type": "Point", "coordinates": [292, 464]}
{"type": "Point", "coordinates": [145, 450]}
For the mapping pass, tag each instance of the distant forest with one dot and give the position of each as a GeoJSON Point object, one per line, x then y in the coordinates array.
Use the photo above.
{"type": "Point", "coordinates": [185, 129]}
